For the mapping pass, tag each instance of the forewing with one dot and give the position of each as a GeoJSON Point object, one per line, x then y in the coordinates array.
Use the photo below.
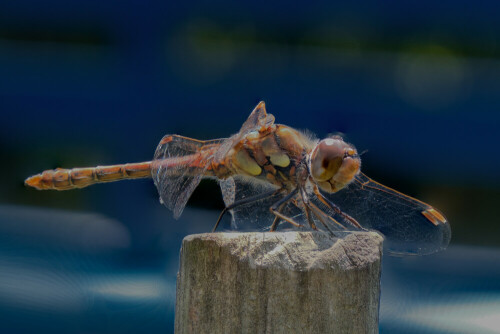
{"type": "Point", "coordinates": [409, 225]}
{"type": "Point", "coordinates": [179, 165]}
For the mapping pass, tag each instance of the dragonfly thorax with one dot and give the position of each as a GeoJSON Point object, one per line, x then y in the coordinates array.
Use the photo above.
{"type": "Point", "coordinates": [333, 164]}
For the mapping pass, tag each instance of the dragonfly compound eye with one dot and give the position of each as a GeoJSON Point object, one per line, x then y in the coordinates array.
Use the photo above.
{"type": "Point", "coordinates": [334, 163]}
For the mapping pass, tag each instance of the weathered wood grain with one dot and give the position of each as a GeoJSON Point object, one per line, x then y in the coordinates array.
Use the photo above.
{"type": "Point", "coordinates": [280, 282]}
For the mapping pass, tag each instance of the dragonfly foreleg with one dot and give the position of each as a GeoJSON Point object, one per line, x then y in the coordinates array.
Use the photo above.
{"type": "Point", "coordinates": [336, 209]}
{"type": "Point", "coordinates": [243, 201]}
{"type": "Point", "coordinates": [311, 208]}
{"type": "Point", "coordinates": [320, 214]}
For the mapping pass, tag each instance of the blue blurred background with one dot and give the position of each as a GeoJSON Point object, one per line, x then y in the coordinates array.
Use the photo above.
{"type": "Point", "coordinates": [86, 83]}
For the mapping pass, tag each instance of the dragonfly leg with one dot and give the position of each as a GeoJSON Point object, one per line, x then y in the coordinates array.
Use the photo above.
{"type": "Point", "coordinates": [277, 219]}
{"type": "Point", "coordinates": [320, 215]}
{"type": "Point", "coordinates": [275, 210]}
{"type": "Point", "coordinates": [336, 209]}
{"type": "Point", "coordinates": [312, 208]}
{"type": "Point", "coordinates": [245, 201]}
{"type": "Point", "coordinates": [308, 213]}
{"type": "Point", "coordinates": [318, 212]}
{"type": "Point", "coordinates": [309, 218]}
{"type": "Point", "coordinates": [285, 218]}
{"type": "Point", "coordinates": [307, 209]}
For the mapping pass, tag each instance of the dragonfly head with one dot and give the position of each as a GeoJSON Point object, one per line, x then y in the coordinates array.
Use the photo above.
{"type": "Point", "coordinates": [334, 164]}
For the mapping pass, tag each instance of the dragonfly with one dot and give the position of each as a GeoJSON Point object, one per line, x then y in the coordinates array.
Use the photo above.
{"type": "Point", "coordinates": [276, 177]}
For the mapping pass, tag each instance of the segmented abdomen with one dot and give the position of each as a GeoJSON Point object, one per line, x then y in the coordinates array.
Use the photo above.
{"type": "Point", "coordinates": [65, 179]}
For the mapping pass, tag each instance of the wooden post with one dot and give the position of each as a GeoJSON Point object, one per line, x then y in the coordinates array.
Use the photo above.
{"type": "Point", "coordinates": [279, 282]}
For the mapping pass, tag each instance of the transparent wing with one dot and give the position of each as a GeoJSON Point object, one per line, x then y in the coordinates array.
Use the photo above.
{"type": "Point", "coordinates": [228, 189]}
{"type": "Point", "coordinates": [238, 188]}
{"type": "Point", "coordinates": [258, 118]}
{"type": "Point", "coordinates": [409, 225]}
{"type": "Point", "coordinates": [256, 215]}
{"type": "Point", "coordinates": [179, 165]}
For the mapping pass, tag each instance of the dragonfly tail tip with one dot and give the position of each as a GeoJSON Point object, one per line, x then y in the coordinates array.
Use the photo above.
{"type": "Point", "coordinates": [34, 181]}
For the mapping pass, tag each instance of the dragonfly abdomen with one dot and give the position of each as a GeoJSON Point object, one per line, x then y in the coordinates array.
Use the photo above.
{"type": "Point", "coordinates": [65, 179]}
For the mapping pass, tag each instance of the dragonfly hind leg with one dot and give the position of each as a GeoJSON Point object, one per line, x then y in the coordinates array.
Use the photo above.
{"type": "Point", "coordinates": [276, 210]}
{"type": "Point", "coordinates": [309, 217]}
{"type": "Point", "coordinates": [277, 220]}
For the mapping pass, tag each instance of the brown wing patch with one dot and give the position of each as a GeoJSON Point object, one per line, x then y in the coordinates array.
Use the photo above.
{"type": "Point", "coordinates": [434, 216]}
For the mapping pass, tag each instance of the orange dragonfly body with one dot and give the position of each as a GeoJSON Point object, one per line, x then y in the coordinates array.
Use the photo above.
{"type": "Point", "coordinates": [271, 173]}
